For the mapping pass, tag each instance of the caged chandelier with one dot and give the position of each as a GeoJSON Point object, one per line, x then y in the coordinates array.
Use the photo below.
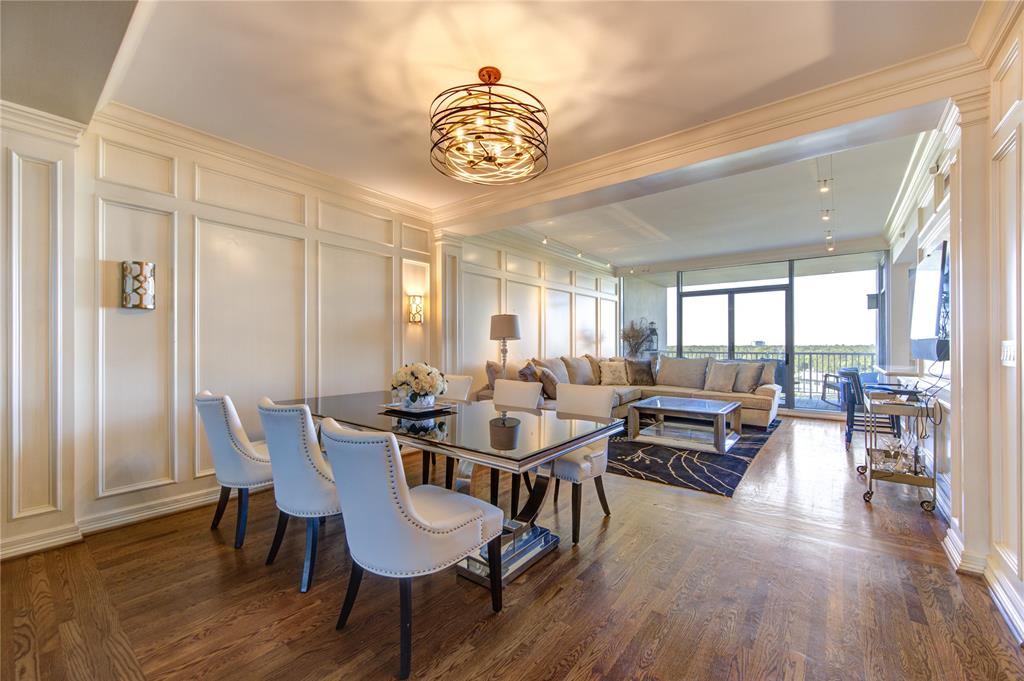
{"type": "Point", "coordinates": [486, 133]}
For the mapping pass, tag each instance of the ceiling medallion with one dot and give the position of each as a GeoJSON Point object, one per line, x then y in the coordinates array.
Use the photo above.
{"type": "Point", "coordinates": [487, 133]}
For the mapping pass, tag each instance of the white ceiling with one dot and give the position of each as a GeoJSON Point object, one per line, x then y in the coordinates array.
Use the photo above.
{"type": "Point", "coordinates": [773, 208]}
{"type": "Point", "coordinates": [345, 87]}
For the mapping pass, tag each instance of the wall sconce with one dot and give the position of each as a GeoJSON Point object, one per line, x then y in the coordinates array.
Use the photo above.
{"type": "Point", "coordinates": [138, 284]}
{"type": "Point", "coordinates": [415, 309]}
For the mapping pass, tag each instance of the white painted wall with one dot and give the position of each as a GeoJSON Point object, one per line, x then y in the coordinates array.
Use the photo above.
{"type": "Point", "coordinates": [271, 280]}
{"type": "Point", "coordinates": [564, 307]}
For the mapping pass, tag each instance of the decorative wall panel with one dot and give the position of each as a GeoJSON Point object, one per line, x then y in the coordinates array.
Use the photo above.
{"type": "Point", "coordinates": [517, 264]}
{"type": "Point", "coordinates": [557, 323]}
{"type": "Point", "coordinates": [524, 300]}
{"type": "Point", "coordinates": [134, 167]}
{"type": "Point", "coordinates": [481, 298]}
{"type": "Point", "coordinates": [609, 324]}
{"type": "Point", "coordinates": [586, 325]}
{"type": "Point", "coordinates": [416, 239]}
{"type": "Point", "coordinates": [136, 387]}
{"type": "Point", "coordinates": [356, 338]}
{"type": "Point", "coordinates": [249, 317]}
{"type": "Point", "coordinates": [226, 190]}
{"type": "Point", "coordinates": [35, 453]}
{"type": "Point", "coordinates": [335, 217]}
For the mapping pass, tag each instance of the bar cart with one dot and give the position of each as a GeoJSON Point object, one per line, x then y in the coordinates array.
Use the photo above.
{"type": "Point", "coordinates": [889, 458]}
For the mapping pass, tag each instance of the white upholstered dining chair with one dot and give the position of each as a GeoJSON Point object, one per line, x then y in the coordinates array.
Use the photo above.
{"type": "Point", "coordinates": [457, 390]}
{"type": "Point", "coordinates": [589, 462]}
{"type": "Point", "coordinates": [238, 462]}
{"type": "Point", "coordinates": [303, 480]}
{"type": "Point", "coordinates": [517, 394]}
{"type": "Point", "coordinates": [511, 395]}
{"type": "Point", "coordinates": [398, 532]}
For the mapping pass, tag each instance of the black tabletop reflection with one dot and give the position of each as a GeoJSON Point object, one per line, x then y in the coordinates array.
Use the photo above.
{"type": "Point", "coordinates": [471, 426]}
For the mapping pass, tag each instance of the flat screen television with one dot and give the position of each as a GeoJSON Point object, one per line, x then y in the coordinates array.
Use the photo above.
{"type": "Point", "coordinates": [929, 316]}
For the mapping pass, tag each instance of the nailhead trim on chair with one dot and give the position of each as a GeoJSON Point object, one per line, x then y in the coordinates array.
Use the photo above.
{"type": "Point", "coordinates": [303, 438]}
{"type": "Point", "coordinates": [393, 484]}
{"type": "Point", "coordinates": [231, 434]}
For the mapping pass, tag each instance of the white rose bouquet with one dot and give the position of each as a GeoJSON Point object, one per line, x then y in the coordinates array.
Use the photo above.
{"type": "Point", "coordinates": [418, 384]}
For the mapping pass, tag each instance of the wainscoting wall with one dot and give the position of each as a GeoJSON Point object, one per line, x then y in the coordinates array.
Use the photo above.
{"type": "Point", "coordinates": [271, 279]}
{"type": "Point", "coordinates": [564, 307]}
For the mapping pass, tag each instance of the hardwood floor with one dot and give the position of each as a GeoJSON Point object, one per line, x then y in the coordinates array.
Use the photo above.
{"type": "Point", "coordinates": [794, 578]}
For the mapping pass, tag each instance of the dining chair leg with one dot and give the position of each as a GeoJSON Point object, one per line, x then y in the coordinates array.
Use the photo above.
{"type": "Point", "coordinates": [514, 508]}
{"type": "Point", "coordinates": [405, 597]}
{"type": "Point", "coordinates": [243, 515]}
{"type": "Point", "coordinates": [222, 503]}
{"type": "Point", "coordinates": [556, 490]}
{"type": "Point", "coordinates": [494, 568]}
{"type": "Point", "coordinates": [577, 503]}
{"type": "Point", "coordinates": [449, 472]}
{"type": "Point", "coordinates": [354, 579]}
{"type": "Point", "coordinates": [495, 480]}
{"type": "Point", "coordinates": [282, 525]}
{"type": "Point", "coordinates": [426, 467]}
{"type": "Point", "coordinates": [310, 561]}
{"type": "Point", "coordinates": [599, 484]}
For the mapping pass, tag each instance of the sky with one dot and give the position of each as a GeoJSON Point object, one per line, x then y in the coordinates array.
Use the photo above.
{"type": "Point", "coordinates": [829, 309]}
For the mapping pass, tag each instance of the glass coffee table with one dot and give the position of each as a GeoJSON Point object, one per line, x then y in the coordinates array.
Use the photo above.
{"type": "Point", "coordinates": [689, 423]}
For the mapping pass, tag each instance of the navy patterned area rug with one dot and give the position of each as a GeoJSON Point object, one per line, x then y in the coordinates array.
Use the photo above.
{"type": "Point", "coordinates": [714, 473]}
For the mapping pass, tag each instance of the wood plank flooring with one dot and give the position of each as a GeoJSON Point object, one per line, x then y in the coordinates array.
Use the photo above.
{"type": "Point", "coordinates": [793, 578]}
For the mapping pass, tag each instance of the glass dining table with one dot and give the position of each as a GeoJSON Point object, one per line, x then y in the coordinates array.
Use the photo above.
{"type": "Point", "coordinates": [516, 441]}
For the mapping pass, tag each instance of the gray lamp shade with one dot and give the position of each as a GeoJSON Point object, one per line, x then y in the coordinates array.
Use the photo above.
{"type": "Point", "coordinates": [505, 327]}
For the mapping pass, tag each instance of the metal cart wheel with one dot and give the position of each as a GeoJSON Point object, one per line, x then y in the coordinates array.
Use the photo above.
{"type": "Point", "coordinates": [862, 469]}
{"type": "Point", "coordinates": [928, 505]}
{"type": "Point", "coordinates": [868, 495]}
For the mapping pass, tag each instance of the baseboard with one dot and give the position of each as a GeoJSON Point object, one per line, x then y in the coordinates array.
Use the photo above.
{"type": "Point", "coordinates": [962, 560]}
{"type": "Point", "coordinates": [1007, 600]}
{"type": "Point", "coordinates": [39, 541]}
{"type": "Point", "coordinates": [147, 510]}
{"type": "Point", "coordinates": [813, 414]}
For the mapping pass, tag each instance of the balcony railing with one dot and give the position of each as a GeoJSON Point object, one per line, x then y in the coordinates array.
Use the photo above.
{"type": "Point", "coordinates": [809, 370]}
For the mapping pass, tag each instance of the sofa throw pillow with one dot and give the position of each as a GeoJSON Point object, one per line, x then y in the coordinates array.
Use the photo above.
{"type": "Point", "coordinates": [682, 373]}
{"type": "Point", "coordinates": [639, 372]}
{"type": "Point", "coordinates": [595, 366]}
{"type": "Point", "coordinates": [549, 381]}
{"type": "Point", "coordinates": [556, 366]}
{"type": "Point", "coordinates": [768, 376]}
{"type": "Point", "coordinates": [580, 371]}
{"type": "Point", "coordinates": [493, 370]}
{"type": "Point", "coordinates": [529, 373]}
{"type": "Point", "coordinates": [748, 376]}
{"type": "Point", "coordinates": [721, 377]}
{"type": "Point", "coordinates": [613, 373]}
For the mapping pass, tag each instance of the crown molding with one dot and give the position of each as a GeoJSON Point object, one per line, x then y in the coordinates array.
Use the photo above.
{"type": "Point", "coordinates": [991, 27]}
{"type": "Point", "coordinates": [941, 74]}
{"type": "Point", "coordinates": [133, 120]}
{"type": "Point", "coordinates": [815, 250]}
{"type": "Point", "coordinates": [916, 183]}
{"type": "Point", "coordinates": [35, 122]}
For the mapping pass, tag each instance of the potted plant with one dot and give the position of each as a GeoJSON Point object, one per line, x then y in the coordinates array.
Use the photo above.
{"type": "Point", "coordinates": [634, 336]}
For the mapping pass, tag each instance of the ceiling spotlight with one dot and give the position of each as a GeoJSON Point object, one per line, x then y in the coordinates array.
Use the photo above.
{"type": "Point", "coordinates": [830, 242]}
{"type": "Point", "coordinates": [632, 271]}
{"type": "Point", "coordinates": [579, 254]}
{"type": "Point", "coordinates": [544, 241]}
{"type": "Point", "coordinates": [826, 214]}
{"type": "Point", "coordinates": [824, 186]}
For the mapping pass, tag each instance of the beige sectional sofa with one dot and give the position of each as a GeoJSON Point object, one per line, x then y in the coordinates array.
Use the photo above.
{"type": "Point", "coordinates": [758, 394]}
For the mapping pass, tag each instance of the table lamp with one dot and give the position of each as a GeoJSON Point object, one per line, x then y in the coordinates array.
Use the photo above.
{"type": "Point", "coordinates": [504, 327]}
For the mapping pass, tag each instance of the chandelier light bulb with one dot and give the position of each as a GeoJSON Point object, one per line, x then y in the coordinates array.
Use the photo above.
{"type": "Point", "coordinates": [824, 186]}
{"type": "Point", "coordinates": [826, 215]}
{"type": "Point", "coordinates": [830, 242]}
